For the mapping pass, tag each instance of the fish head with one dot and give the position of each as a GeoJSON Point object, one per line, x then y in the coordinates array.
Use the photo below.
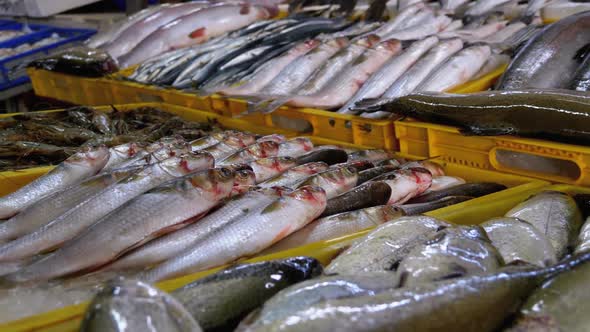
{"type": "Point", "coordinates": [311, 168]}
{"type": "Point", "coordinates": [90, 157]}
{"type": "Point", "coordinates": [422, 177]}
{"type": "Point", "coordinates": [390, 212]}
{"type": "Point", "coordinates": [187, 163]}
{"type": "Point", "coordinates": [277, 190]}
{"type": "Point", "coordinates": [314, 195]}
{"type": "Point", "coordinates": [263, 149]}
{"type": "Point", "coordinates": [434, 168]}
{"type": "Point", "coordinates": [368, 41]}
{"type": "Point", "coordinates": [339, 42]}
{"type": "Point", "coordinates": [129, 149]}
{"type": "Point", "coordinates": [300, 143]}
{"type": "Point", "coordinates": [389, 46]}
{"type": "Point", "coordinates": [235, 141]}
{"type": "Point", "coordinates": [246, 138]}
{"type": "Point", "coordinates": [341, 179]}
{"type": "Point", "coordinates": [218, 181]}
{"type": "Point", "coordinates": [390, 162]}
{"type": "Point", "coordinates": [273, 137]}
{"type": "Point", "coordinates": [244, 178]}
{"type": "Point", "coordinates": [278, 164]}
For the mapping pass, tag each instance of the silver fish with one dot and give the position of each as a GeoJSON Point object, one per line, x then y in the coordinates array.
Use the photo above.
{"type": "Point", "coordinates": [248, 235]}
{"type": "Point", "coordinates": [406, 183]}
{"type": "Point", "coordinates": [482, 7]}
{"type": "Point", "coordinates": [79, 166]}
{"type": "Point", "coordinates": [157, 211]}
{"type": "Point", "coordinates": [295, 175]}
{"type": "Point", "coordinates": [380, 81]}
{"type": "Point", "coordinates": [121, 153]}
{"type": "Point", "coordinates": [82, 216]}
{"type": "Point", "coordinates": [384, 246]}
{"type": "Point", "coordinates": [403, 16]}
{"type": "Point", "coordinates": [175, 243]}
{"type": "Point", "coordinates": [337, 225]}
{"type": "Point", "coordinates": [429, 28]}
{"type": "Point", "coordinates": [334, 181]}
{"type": "Point", "coordinates": [268, 168]}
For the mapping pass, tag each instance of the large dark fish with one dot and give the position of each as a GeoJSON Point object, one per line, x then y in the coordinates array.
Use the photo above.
{"type": "Point", "coordinates": [548, 60]}
{"type": "Point", "coordinates": [559, 115]}
{"type": "Point", "coordinates": [477, 303]}
{"type": "Point", "coordinates": [474, 189]}
{"type": "Point", "coordinates": [221, 300]}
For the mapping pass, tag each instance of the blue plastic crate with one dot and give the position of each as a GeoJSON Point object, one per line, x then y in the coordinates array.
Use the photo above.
{"type": "Point", "coordinates": [36, 30]}
{"type": "Point", "coordinates": [13, 68]}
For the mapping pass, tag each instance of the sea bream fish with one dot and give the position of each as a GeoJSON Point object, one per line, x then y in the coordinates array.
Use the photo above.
{"type": "Point", "coordinates": [125, 304]}
{"type": "Point", "coordinates": [52, 206]}
{"type": "Point", "coordinates": [220, 301]}
{"type": "Point", "coordinates": [349, 81]}
{"type": "Point", "coordinates": [82, 216]}
{"type": "Point", "coordinates": [295, 175]}
{"type": "Point", "coordinates": [246, 236]}
{"type": "Point", "coordinates": [195, 28]}
{"type": "Point", "coordinates": [158, 211]}
{"type": "Point", "coordinates": [173, 244]}
{"type": "Point", "coordinates": [77, 167]}
{"type": "Point", "coordinates": [139, 30]}
{"type": "Point", "coordinates": [381, 80]}
{"type": "Point", "coordinates": [337, 225]}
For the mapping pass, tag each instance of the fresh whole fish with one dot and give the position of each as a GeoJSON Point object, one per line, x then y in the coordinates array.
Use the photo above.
{"type": "Point", "coordinates": [244, 181]}
{"type": "Point", "coordinates": [221, 300]}
{"type": "Point", "coordinates": [295, 175]}
{"type": "Point", "coordinates": [562, 115]}
{"type": "Point", "coordinates": [371, 155]}
{"type": "Point", "coordinates": [134, 34]}
{"type": "Point", "coordinates": [267, 72]}
{"type": "Point", "coordinates": [333, 181]}
{"type": "Point", "coordinates": [403, 16]}
{"type": "Point", "coordinates": [453, 252]}
{"type": "Point", "coordinates": [52, 206]}
{"type": "Point", "coordinates": [379, 82]}
{"type": "Point", "coordinates": [330, 156]}
{"type": "Point", "coordinates": [158, 211]}
{"type": "Point", "coordinates": [349, 81]}
{"type": "Point", "coordinates": [423, 30]}
{"type": "Point", "coordinates": [273, 137]}
{"type": "Point", "coordinates": [337, 225]}
{"type": "Point", "coordinates": [558, 305]}
{"type": "Point", "coordinates": [548, 60]}
{"type": "Point", "coordinates": [367, 195]}
{"type": "Point", "coordinates": [472, 189]}
{"type": "Point", "coordinates": [336, 64]}
{"type": "Point", "coordinates": [458, 69]}
{"type": "Point", "coordinates": [298, 71]}
{"type": "Point", "coordinates": [252, 152]}
{"type": "Point", "coordinates": [553, 213]}
{"type": "Point", "coordinates": [129, 305]}
{"type": "Point", "coordinates": [81, 165]}
{"type": "Point", "coordinates": [268, 168]}
{"type": "Point", "coordinates": [406, 183]}
{"type": "Point", "coordinates": [248, 235]}
{"type": "Point", "coordinates": [519, 241]}
{"type": "Point", "coordinates": [216, 138]}
{"type": "Point", "coordinates": [581, 81]}
{"type": "Point", "coordinates": [82, 216]}
{"type": "Point", "coordinates": [174, 244]}
{"type": "Point", "coordinates": [228, 146]}
{"type": "Point", "coordinates": [310, 292]}
{"type": "Point", "coordinates": [385, 245]}
{"type": "Point", "coordinates": [410, 80]}
{"type": "Point", "coordinates": [479, 303]}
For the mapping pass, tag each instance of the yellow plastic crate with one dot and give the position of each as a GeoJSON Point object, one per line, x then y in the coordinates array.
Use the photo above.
{"type": "Point", "coordinates": [471, 212]}
{"type": "Point", "coordinates": [568, 163]}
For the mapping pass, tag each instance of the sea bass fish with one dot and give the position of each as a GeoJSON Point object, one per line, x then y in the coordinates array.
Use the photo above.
{"type": "Point", "coordinates": [248, 235]}
{"type": "Point", "coordinates": [53, 206]}
{"type": "Point", "coordinates": [125, 304]}
{"type": "Point", "coordinates": [337, 225]}
{"type": "Point", "coordinates": [519, 241]}
{"type": "Point", "coordinates": [295, 175]}
{"type": "Point", "coordinates": [553, 213]}
{"type": "Point", "coordinates": [170, 245]}
{"type": "Point", "coordinates": [195, 28]}
{"type": "Point", "coordinates": [548, 60]}
{"type": "Point", "coordinates": [221, 300]}
{"type": "Point", "coordinates": [82, 216]}
{"type": "Point", "coordinates": [382, 247]}
{"type": "Point", "coordinates": [79, 166]}
{"type": "Point", "coordinates": [484, 302]}
{"type": "Point", "coordinates": [158, 211]}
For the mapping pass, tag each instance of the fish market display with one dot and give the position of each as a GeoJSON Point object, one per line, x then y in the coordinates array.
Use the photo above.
{"type": "Point", "coordinates": [561, 115]}
{"type": "Point", "coordinates": [39, 139]}
{"type": "Point", "coordinates": [126, 304]}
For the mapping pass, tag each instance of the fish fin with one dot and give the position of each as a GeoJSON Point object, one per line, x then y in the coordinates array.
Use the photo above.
{"type": "Point", "coordinates": [198, 33]}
